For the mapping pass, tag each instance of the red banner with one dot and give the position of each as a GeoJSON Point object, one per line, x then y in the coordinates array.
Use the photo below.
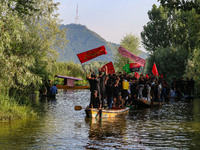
{"type": "Point", "coordinates": [88, 55]}
{"type": "Point", "coordinates": [130, 55]}
{"type": "Point", "coordinates": [110, 68]}
{"type": "Point", "coordinates": [155, 71]}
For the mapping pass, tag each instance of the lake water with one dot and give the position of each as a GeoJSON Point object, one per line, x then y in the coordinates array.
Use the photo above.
{"type": "Point", "coordinates": [175, 125]}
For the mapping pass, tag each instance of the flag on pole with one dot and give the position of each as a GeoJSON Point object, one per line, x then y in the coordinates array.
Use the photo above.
{"type": "Point", "coordinates": [110, 68]}
{"type": "Point", "coordinates": [130, 55]}
{"type": "Point", "coordinates": [88, 55]}
{"type": "Point", "coordinates": [132, 67]}
{"type": "Point", "coordinates": [147, 76]}
{"type": "Point", "coordinates": [137, 75]}
{"type": "Point", "coordinates": [161, 76]}
{"type": "Point", "coordinates": [155, 71]}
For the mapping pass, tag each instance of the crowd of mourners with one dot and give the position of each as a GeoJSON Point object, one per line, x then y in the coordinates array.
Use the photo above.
{"type": "Point", "coordinates": [108, 91]}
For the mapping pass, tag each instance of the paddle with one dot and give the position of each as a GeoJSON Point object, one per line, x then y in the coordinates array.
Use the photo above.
{"type": "Point", "coordinates": [78, 107]}
{"type": "Point", "coordinates": [99, 113]}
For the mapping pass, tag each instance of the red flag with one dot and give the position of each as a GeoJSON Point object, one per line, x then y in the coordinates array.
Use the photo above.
{"type": "Point", "coordinates": [130, 55]}
{"type": "Point", "coordinates": [134, 65]}
{"type": "Point", "coordinates": [110, 68]}
{"type": "Point", "coordinates": [137, 75]}
{"type": "Point", "coordinates": [147, 76]}
{"type": "Point", "coordinates": [161, 76]}
{"type": "Point", "coordinates": [154, 70]}
{"type": "Point", "coordinates": [88, 55]}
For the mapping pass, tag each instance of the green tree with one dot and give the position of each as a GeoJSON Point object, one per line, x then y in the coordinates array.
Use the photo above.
{"type": "Point", "coordinates": [193, 69]}
{"type": "Point", "coordinates": [132, 44]}
{"type": "Point", "coordinates": [28, 45]}
{"type": "Point", "coordinates": [170, 61]}
{"type": "Point", "coordinates": [167, 28]}
{"type": "Point", "coordinates": [171, 33]}
{"type": "Point", "coordinates": [185, 5]}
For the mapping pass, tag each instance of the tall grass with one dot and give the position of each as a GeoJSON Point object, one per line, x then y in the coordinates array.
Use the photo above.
{"type": "Point", "coordinates": [10, 109]}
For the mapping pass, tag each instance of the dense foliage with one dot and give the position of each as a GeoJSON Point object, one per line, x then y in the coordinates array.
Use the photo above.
{"type": "Point", "coordinates": [132, 44]}
{"type": "Point", "coordinates": [172, 38]}
{"type": "Point", "coordinates": [29, 37]}
{"type": "Point", "coordinates": [185, 5]}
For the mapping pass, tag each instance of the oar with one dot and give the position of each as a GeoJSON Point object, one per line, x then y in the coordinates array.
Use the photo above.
{"type": "Point", "coordinates": [78, 107]}
{"type": "Point", "coordinates": [99, 113]}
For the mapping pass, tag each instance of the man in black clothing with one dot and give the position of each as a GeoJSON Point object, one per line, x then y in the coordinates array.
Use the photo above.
{"type": "Point", "coordinates": [109, 92]}
{"type": "Point", "coordinates": [96, 101]}
{"type": "Point", "coordinates": [134, 91]}
{"type": "Point", "coordinates": [102, 79]}
{"type": "Point", "coordinates": [94, 85]}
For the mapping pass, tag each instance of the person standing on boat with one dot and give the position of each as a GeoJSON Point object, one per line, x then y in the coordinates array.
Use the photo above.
{"type": "Point", "coordinates": [102, 83]}
{"type": "Point", "coordinates": [149, 91]}
{"type": "Point", "coordinates": [109, 92]}
{"type": "Point", "coordinates": [141, 86]}
{"type": "Point", "coordinates": [94, 85]}
{"type": "Point", "coordinates": [96, 101]}
{"type": "Point", "coordinates": [134, 90]}
{"type": "Point", "coordinates": [116, 87]}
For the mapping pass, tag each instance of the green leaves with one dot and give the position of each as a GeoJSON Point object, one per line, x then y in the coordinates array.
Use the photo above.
{"type": "Point", "coordinates": [132, 44]}
{"type": "Point", "coordinates": [29, 34]}
{"type": "Point", "coordinates": [170, 61]}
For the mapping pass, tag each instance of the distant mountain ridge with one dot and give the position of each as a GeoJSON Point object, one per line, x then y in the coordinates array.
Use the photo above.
{"type": "Point", "coordinates": [81, 39]}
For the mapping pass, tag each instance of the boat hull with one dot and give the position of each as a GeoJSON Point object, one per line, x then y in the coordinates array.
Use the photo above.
{"type": "Point", "coordinates": [73, 88]}
{"type": "Point", "coordinates": [106, 113]}
{"type": "Point", "coordinates": [146, 104]}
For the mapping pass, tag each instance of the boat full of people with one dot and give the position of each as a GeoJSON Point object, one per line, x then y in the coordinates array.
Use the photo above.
{"type": "Point", "coordinates": [116, 91]}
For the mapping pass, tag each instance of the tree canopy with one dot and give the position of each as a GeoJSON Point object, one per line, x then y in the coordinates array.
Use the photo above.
{"type": "Point", "coordinates": [132, 44]}
{"type": "Point", "coordinates": [30, 34]}
{"type": "Point", "coordinates": [172, 37]}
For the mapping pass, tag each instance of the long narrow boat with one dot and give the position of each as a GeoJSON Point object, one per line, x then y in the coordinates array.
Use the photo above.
{"type": "Point", "coordinates": [146, 104]}
{"type": "Point", "coordinates": [106, 113]}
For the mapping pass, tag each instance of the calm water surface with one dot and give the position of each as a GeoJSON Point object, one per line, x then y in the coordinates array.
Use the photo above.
{"type": "Point", "coordinates": [175, 125]}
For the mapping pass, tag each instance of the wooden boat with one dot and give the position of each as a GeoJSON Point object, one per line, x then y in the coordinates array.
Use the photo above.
{"type": "Point", "coordinates": [106, 113]}
{"type": "Point", "coordinates": [145, 103]}
{"type": "Point", "coordinates": [72, 87]}
{"type": "Point", "coordinates": [132, 107]}
{"type": "Point", "coordinates": [48, 95]}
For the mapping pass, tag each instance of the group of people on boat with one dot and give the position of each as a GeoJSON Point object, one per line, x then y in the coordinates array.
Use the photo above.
{"type": "Point", "coordinates": [110, 89]}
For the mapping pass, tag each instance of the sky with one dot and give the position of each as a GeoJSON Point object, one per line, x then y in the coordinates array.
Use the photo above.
{"type": "Point", "coordinates": [111, 19]}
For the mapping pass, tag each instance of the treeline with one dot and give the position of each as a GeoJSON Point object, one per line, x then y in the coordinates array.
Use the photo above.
{"type": "Point", "coordinates": [29, 37]}
{"type": "Point", "coordinates": [172, 39]}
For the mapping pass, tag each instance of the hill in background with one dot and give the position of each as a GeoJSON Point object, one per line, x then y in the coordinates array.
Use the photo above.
{"type": "Point", "coordinates": [81, 39]}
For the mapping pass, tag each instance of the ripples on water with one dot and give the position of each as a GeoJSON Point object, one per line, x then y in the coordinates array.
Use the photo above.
{"type": "Point", "coordinates": [175, 125]}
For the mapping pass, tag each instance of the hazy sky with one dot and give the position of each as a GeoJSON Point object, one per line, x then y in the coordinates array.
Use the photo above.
{"type": "Point", "coordinates": [111, 19]}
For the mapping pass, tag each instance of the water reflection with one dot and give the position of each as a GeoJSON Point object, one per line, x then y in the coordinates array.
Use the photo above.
{"type": "Point", "coordinates": [105, 131]}
{"type": "Point", "coordinates": [175, 125]}
{"type": "Point", "coordinates": [106, 127]}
